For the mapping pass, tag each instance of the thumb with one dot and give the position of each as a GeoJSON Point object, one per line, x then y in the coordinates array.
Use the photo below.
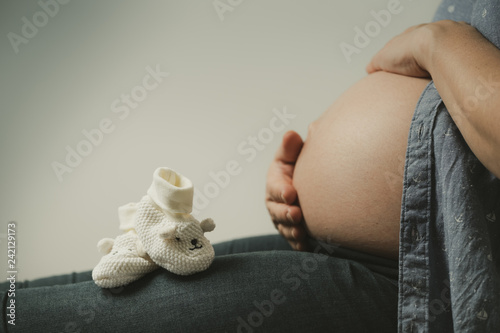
{"type": "Point", "coordinates": [290, 148]}
{"type": "Point", "coordinates": [370, 68]}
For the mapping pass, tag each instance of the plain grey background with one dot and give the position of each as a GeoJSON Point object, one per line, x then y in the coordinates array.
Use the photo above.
{"type": "Point", "coordinates": [227, 72]}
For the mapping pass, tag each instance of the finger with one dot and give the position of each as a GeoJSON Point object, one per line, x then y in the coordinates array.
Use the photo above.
{"type": "Point", "coordinates": [285, 231]}
{"type": "Point", "coordinates": [375, 64]}
{"type": "Point", "coordinates": [288, 194]}
{"type": "Point", "coordinates": [290, 148]}
{"type": "Point", "coordinates": [284, 214]}
{"type": "Point", "coordinates": [302, 246]}
{"type": "Point", "coordinates": [289, 235]}
{"type": "Point", "coordinates": [279, 186]}
{"type": "Point", "coordinates": [299, 232]}
{"type": "Point", "coordinates": [371, 68]}
{"type": "Point", "coordinates": [281, 191]}
{"type": "Point", "coordinates": [293, 244]}
{"type": "Point", "coordinates": [292, 234]}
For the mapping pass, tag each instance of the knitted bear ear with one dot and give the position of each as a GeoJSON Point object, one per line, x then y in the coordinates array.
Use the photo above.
{"type": "Point", "coordinates": [105, 245]}
{"type": "Point", "coordinates": [207, 225]}
{"type": "Point", "coordinates": [168, 231]}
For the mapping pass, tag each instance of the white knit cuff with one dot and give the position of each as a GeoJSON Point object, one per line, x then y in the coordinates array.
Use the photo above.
{"type": "Point", "coordinates": [171, 191]}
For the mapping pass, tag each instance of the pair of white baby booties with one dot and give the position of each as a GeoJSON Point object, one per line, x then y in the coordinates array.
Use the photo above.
{"type": "Point", "coordinates": [158, 231]}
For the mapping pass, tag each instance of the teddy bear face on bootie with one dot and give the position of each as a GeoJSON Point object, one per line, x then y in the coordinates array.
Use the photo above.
{"type": "Point", "coordinates": [175, 242]}
{"type": "Point", "coordinates": [185, 250]}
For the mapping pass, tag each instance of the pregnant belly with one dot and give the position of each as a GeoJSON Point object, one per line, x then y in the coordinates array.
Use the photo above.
{"type": "Point", "coordinates": [349, 175]}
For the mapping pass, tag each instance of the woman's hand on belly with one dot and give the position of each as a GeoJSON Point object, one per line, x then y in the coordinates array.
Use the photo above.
{"type": "Point", "coordinates": [281, 196]}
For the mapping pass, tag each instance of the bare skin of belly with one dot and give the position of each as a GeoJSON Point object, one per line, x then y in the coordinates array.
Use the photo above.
{"type": "Point", "coordinates": [349, 175]}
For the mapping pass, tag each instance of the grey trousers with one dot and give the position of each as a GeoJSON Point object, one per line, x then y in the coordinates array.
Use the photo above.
{"type": "Point", "coordinates": [255, 284]}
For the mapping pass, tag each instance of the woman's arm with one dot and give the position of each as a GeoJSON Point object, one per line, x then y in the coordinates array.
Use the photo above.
{"type": "Point", "coordinates": [465, 68]}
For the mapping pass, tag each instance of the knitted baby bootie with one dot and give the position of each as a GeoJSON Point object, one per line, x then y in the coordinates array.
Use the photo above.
{"type": "Point", "coordinates": [171, 236]}
{"type": "Point", "coordinates": [125, 259]}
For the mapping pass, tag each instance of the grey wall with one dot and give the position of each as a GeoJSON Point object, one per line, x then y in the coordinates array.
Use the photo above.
{"type": "Point", "coordinates": [67, 72]}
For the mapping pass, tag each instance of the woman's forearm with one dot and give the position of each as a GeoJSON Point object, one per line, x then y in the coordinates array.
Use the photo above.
{"type": "Point", "coordinates": [465, 68]}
